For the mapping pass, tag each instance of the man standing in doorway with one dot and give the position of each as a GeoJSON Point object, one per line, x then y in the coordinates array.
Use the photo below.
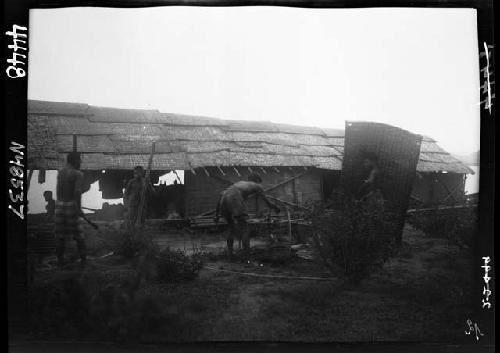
{"type": "Point", "coordinates": [68, 208]}
{"type": "Point", "coordinates": [132, 197]}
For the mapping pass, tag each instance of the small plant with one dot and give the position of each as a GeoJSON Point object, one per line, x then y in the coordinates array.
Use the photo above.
{"type": "Point", "coordinates": [175, 266]}
{"type": "Point", "coordinates": [355, 238]}
{"type": "Point", "coordinates": [127, 243]}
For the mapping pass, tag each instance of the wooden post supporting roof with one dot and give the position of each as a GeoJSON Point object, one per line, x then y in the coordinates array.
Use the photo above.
{"type": "Point", "coordinates": [145, 185]}
{"type": "Point", "coordinates": [30, 175]}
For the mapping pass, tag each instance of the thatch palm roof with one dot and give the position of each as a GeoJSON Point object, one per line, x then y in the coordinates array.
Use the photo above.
{"type": "Point", "coordinates": [111, 138]}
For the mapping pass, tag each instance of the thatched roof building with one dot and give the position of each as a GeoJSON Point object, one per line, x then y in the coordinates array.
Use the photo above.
{"type": "Point", "coordinates": [111, 138]}
{"type": "Point", "coordinates": [298, 164]}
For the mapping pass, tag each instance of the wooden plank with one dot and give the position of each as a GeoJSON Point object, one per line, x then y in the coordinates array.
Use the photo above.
{"type": "Point", "coordinates": [416, 210]}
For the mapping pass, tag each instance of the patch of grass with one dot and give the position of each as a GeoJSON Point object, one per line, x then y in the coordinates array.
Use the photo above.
{"type": "Point", "coordinates": [115, 310]}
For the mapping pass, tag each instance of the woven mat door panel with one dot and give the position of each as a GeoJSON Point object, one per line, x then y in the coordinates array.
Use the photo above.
{"type": "Point", "coordinates": [397, 151]}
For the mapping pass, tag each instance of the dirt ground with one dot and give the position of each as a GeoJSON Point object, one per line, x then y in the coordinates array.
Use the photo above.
{"type": "Point", "coordinates": [422, 294]}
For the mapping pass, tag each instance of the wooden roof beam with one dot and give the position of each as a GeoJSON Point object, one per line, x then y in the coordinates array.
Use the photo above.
{"type": "Point", "coordinates": [221, 171]}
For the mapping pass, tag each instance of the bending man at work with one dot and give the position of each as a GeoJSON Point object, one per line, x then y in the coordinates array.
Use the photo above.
{"type": "Point", "coordinates": [68, 208]}
{"type": "Point", "coordinates": [231, 206]}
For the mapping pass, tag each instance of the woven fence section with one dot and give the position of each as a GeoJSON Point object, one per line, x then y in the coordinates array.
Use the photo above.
{"type": "Point", "coordinates": [397, 151]}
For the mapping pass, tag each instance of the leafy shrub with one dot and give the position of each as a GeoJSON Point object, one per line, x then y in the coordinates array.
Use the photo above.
{"type": "Point", "coordinates": [355, 238]}
{"type": "Point", "coordinates": [127, 243]}
{"type": "Point", "coordinates": [175, 266]}
{"type": "Point", "coordinates": [458, 225]}
{"type": "Point", "coordinates": [149, 261]}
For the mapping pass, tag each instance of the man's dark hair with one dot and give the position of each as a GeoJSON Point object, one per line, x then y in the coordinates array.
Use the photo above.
{"type": "Point", "coordinates": [47, 193]}
{"type": "Point", "coordinates": [255, 178]}
{"type": "Point", "coordinates": [139, 168]}
{"type": "Point", "coordinates": [73, 159]}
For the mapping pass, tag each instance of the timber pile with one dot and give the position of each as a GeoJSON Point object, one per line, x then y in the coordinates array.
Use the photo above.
{"type": "Point", "coordinates": [274, 226]}
{"type": "Point", "coordinates": [205, 222]}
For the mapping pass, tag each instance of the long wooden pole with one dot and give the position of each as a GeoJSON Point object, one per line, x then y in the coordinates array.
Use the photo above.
{"type": "Point", "coordinates": [289, 224]}
{"type": "Point", "coordinates": [265, 190]}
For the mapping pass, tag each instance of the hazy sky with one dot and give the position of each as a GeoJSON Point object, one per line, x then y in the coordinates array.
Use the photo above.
{"type": "Point", "coordinates": [413, 68]}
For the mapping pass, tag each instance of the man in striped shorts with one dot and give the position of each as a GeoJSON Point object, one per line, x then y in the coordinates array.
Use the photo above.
{"type": "Point", "coordinates": [68, 211]}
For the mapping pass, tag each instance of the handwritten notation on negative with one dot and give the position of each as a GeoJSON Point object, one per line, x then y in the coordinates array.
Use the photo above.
{"type": "Point", "coordinates": [473, 327]}
{"type": "Point", "coordinates": [486, 279]}
{"type": "Point", "coordinates": [487, 71]}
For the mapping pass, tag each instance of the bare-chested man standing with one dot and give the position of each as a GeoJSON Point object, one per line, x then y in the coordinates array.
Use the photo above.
{"type": "Point", "coordinates": [68, 208]}
{"type": "Point", "coordinates": [231, 206]}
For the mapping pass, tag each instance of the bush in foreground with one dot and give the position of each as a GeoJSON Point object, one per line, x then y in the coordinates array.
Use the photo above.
{"type": "Point", "coordinates": [354, 239]}
{"type": "Point", "coordinates": [175, 266]}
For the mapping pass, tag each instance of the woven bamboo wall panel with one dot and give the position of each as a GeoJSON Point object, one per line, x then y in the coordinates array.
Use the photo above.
{"type": "Point", "coordinates": [397, 152]}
